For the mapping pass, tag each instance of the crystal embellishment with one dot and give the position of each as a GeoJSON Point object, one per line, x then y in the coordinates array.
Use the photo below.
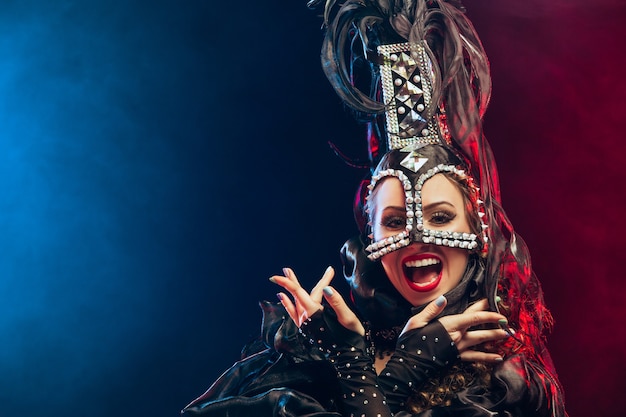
{"type": "Point", "coordinates": [406, 76]}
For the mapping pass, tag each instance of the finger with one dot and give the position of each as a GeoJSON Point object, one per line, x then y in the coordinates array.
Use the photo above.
{"type": "Point", "coordinates": [327, 277]}
{"type": "Point", "coordinates": [299, 294]}
{"type": "Point", "coordinates": [316, 292]}
{"type": "Point", "coordinates": [480, 305]}
{"type": "Point", "coordinates": [477, 356]}
{"type": "Point", "coordinates": [302, 312]}
{"type": "Point", "coordinates": [476, 337]}
{"type": "Point", "coordinates": [291, 309]}
{"type": "Point", "coordinates": [432, 310]}
{"type": "Point", "coordinates": [345, 315]}
{"type": "Point", "coordinates": [461, 322]}
{"type": "Point", "coordinates": [291, 275]}
{"type": "Point", "coordinates": [286, 282]}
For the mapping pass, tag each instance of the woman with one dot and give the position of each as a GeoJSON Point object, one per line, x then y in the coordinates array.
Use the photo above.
{"type": "Point", "coordinates": [431, 347]}
{"type": "Point", "coordinates": [450, 357]}
{"type": "Point", "coordinates": [449, 318]}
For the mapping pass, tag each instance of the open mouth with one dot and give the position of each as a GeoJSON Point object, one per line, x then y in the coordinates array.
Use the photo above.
{"type": "Point", "coordinates": [422, 272]}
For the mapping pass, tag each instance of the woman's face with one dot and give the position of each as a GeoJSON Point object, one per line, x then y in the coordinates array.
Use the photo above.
{"type": "Point", "coordinates": [421, 272]}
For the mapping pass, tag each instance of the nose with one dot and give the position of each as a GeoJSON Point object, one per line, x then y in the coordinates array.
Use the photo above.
{"type": "Point", "coordinates": [416, 236]}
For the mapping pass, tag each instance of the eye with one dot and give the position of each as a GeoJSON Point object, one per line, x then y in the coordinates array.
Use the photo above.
{"type": "Point", "coordinates": [441, 217]}
{"type": "Point", "coordinates": [393, 222]}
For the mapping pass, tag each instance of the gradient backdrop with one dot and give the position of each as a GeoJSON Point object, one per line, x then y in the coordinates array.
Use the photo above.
{"type": "Point", "coordinates": [159, 160]}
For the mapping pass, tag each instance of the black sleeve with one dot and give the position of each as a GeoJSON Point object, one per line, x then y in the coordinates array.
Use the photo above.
{"type": "Point", "coordinates": [419, 354]}
{"type": "Point", "coordinates": [519, 387]}
{"type": "Point", "coordinates": [347, 351]}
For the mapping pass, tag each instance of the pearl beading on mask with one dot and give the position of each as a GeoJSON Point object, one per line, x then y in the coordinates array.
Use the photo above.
{"type": "Point", "coordinates": [415, 219]}
{"type": "Point", "coordinates": [391, 243]}
{"type": "Point", "coordinates": [441, 237]}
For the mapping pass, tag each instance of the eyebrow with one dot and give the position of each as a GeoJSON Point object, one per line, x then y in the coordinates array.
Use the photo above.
{"type": "Point", "coordinates": [438, 203]}
{"type": "Point", "coordinates": [426, 207]}
{"type": "Point", "coordinates": [403, 208]}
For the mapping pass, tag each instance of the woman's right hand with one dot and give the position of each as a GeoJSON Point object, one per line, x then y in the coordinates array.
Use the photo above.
{"type": "Point", "coordinates": [305, 304]}
{"type": "Point", "coordinates": [458, 325]}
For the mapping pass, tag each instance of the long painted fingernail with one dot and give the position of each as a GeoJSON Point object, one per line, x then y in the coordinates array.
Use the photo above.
{"type": "Point", "coordinates": [440, 301]}
{"type": "Point", "coordinates": [328, 291]}
{"type": "Point", "coordinates": [498, 299]}
{"type": "Point", "coordinates": [503, 322]}
{"type": "Point", "coordinates": [500, 359]}
{"type": "Point", "coordinates": [286, 271]}
{"type": "Point", "coordinates": [272, 279]}
{"type": "Point", "coordinates": [280, 297]}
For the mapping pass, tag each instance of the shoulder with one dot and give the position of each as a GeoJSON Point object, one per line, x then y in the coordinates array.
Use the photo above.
{"type": "Point", "coordinates": [529, 384]}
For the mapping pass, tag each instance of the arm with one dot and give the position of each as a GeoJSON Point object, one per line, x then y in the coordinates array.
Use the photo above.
{"type": "Point", "coordinates": [340, 336]}
{"type": "Point", "coordinates": [427, 345]}
{"type": "Point", "coordinates": [348, 353]}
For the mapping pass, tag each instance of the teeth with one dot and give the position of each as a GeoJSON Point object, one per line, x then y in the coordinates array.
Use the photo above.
{"type": "Point", "coordinates": [422, 262]}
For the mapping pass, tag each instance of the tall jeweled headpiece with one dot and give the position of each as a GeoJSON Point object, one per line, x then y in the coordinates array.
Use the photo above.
{"type": "Point", "coordinates": [407, 84]}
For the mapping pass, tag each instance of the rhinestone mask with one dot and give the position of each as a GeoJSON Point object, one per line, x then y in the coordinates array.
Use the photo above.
{"type": "Point", "coordinates": [430, 161]}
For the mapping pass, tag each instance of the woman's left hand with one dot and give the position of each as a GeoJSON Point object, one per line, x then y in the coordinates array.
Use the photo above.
{"type": "Point", "coordinates": [306, 304]}
{"type": "Point", "coordinates": [460, 328]}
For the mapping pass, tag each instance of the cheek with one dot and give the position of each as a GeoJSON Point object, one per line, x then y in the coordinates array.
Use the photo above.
{"type": "Point", "coordinates": [465, 224]}
{"type": "Point", "coordinates": [458, 264]}
{"type": "Point", "coordinates": [377, 230]}
{"type": "Point", "coordinates": [389, 263]}
{"type": "Point", "coordinates": [375, 224]}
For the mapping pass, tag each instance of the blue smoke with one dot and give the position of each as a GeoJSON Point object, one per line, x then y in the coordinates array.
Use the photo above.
{"type": "Point", "coordinates": [144, 198]}
{"type": "Point", "coordinates": [102, 113]}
